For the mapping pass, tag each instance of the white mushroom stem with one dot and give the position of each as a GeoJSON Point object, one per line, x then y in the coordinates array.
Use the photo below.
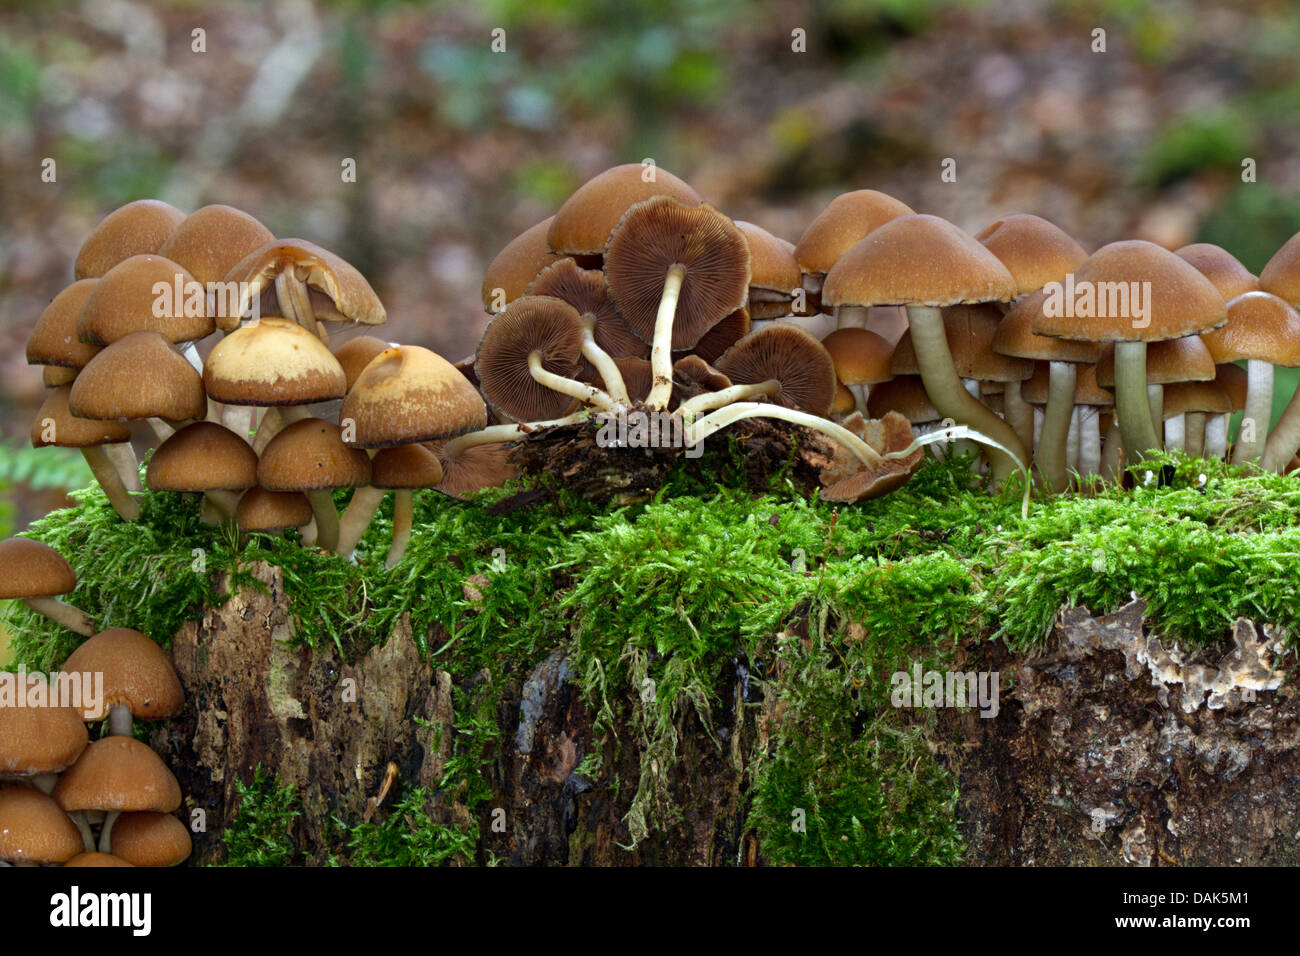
{"type": "Point", "coordinates": [1216, 435]}
{"type": "Point", "coordinates": [1019, 414]}
{"type": "Point", "coordinates": [1176, 433]}
{"type": "Point", "coordinates": [308, 532]}
{"type": "Point", "coordinates": [73, 618]}
{"type": "Point", "coordinates": [698, 430]}
{"type": "Point", "coordinates": [1194, 440]}
{"type": "Point", "coordinates": [83, 827]}
{"type": "Point", "coordinates": [276, 420]}
{"type": "Point", "coordinates": [587, 394]}
{"type": "Point", "coordinates": [1089, 440]}
{"type": "Point", "coordinates": [605, 365]}
{"type": "Point", "coordinates": [851, 316]}
{"type": "Point", "coordinates": [860, 395]}
{"type": "Point", "coordinates": [1156, 402]}
{"type": "Point", "coordinates": [725, 396]}
{"type": "Point", "coordinates": [1111, 453]}
{"type": "Point", "coordinates": [494, 434]}
{"type": "Point", "coordinates": [951, 433]}
{"type": "Point", "coordinates": [1251, 441]}
{"type": "Point", "coordinates": [102, 468]}
{"type": "Point", "coordinates": [294, 301]}
{"type": "Point", "coordinates": [1132, 405]}
{"type": "Point", "coordinates": [1072, 441]}
{"type": "Point", "coordinates": [1052, 446]}
{"type": "Point", "coordinates": [235, 417]}
{"type": "Point", "coordinates": [950, 399]}
{"type": "Point", "coordinates": [192, 356]}
{"type": "Point", "coordinates": [1283, 441]}
{"type": "Point", "coordinates": [44, 782]}
{"type": "Point", "coordinates": [122, 455]}
{"type": "Point", "coordinates": [226, 502]}
{"type": "Point", "coordinates": [357, 517]}
{"type": "Point", "coordinates": [106, 831]}
{"type": "Point", "coordinates": [403, 519]}
{"type": "Point", "coordinates": [661, 347]}
{"type": "Point", "coordinates": [161, 429]}
{"type": "Point", "coordinates": [327, 518]}
{"type": "Point", "coordinates": [120, 722]}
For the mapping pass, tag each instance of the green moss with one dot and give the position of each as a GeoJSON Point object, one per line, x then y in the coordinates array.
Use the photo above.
{"type": "Point", "coordinates": [409, 837]}
{"type": "Point", "coordinates": [261, 832]}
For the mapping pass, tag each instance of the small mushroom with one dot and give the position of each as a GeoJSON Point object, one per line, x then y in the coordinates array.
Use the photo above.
{"type": "Point", "coordinates": [36, 574]}
{"type": "Point", "coordinates": [56, 425]}
{"type": "Point", "coordinates": [516, 265]}
{"type": "Point", "coordinates": [34, 830]}
{"type": "Point", "coordinates": [310, 456]}
{"type": "Point", "coordinates": [207, 458]}
{"type": "Point", "coordinates": [137, 228]}
{"type": "Point", "coordinates": [139, 679]}
{"type": "Point", "coordinates": [116, 774]}
{"type": "Point", "coordinates": [583, 224]}
{"type": "Point", "coordinates": [150, 838]}
{"type": "Point", "coordinates": [38, 742]}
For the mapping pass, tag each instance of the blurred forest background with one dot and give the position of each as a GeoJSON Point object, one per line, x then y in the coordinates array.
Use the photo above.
{"type": "Point", "coordinates": [459, 148]}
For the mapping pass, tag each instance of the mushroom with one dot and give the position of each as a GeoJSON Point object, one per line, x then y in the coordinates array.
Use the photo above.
{"type": "Point", "coordinates": [34, 830]}
{"type": "Point", "coordinates": [1173, 360]}
{"type": "Point", "coordinates": [892, 436]}
{"type": "Point", "coordinates": [149, 838]}
{"type": "Point", "coordinates": [861, 360]}
{"type": "Point", "coordinates": [1085, 426]}
{"type": "Point", "coordinates": [1233, 380]}
{"type": "Point", "coordinates": [36, 574]}
{"type": "Point", "coordinates": [116, 774]}
{"type": "Point", "coordinates": [781, 363]}
{"type": "Point", "coordinates": [355, 354]}
{"type": "Point", "coordinates": [906, 395]}
{"type": "Point", "coordinates": [585, 290]}
{"type": "Point", "coordinates": [125, 301]}
{"type": "Point", "coordinates": [37, 742]}
{"type": "Point", "coordinates": [1221, 267]}
{"type": "Point", "coordinates": [1185, 407]}
{"type": "Point", "coordinates": [211, 241]}
{"type": "Point", "coordinates": [516, 265]}
{"type": "Point", "coordinates": [582, 225]}
{"type": "Point", "coordinates": [56, 425]}
{"type": "Point", "coordinates": [402, 469]}
{"type": "Point", "coordinates": [774, 273]}
{"type": "Point", "coordinates": [728, 331]}
{"type": "Point", "coordinates": [272, 511]}
{"type": "Point", "coordinates": [468, 467]}
{"type": "Point", "coordinates": [137, 228]}
{"type": "Point", "coordinates": [1033, 250]}
{"type": "Point", "coordinates": [139, 680]}
{"type": "Point", "coordinates": [207, 458]}
{"type": "Point", "coordinates": [310, 456]}
{"type": "Point", "coordinates": [140, 376]}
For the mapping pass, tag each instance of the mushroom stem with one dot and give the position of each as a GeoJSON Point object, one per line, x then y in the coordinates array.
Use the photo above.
{"type": "Point", "coordinates": [120, 722]}
{"type": "Point", "coordinates": [73, 618]}
{"type": "Point", "coordinates": [851, 316]}
{"type": "Point", "coordinates": [294, 301]}
{"type": "Point", "coordinates": [1176, 433]}
{"type": "Point", "coordinates": [1283, 441]}
{"type": "Point", "coordinates": [109, 480]}
{"type": "Point", "coordinates": [1053, 445]}
{"type": "Point", "coordinates": [661, 348]}
{"type": "Point", "coordinates": [308, 533]}
{"type": "Point", "coordinates": [44, 782]}
{"type": "Point", "coordinates": [357, 517]}
{"type": "Point", "coordinates": [587, 394]}
{"type": "Point", "coordinates": [1195, 436]}
{"type": "Point", "coordinates": [403, 519]}
{"type": "Point", "coordinates": [327, 519]}
{"type": "Point", "coordinates": [860, 395]}
{"type": "Point", "coordinates": [106, 831]}
{"type": "Point", "coordinates": [83, 827]}
{"type": "Point", "coordinates": [1019, 414]}
{"type": "Point", "coordinates": [735, 393]}
{"type": "Point", "coordinates": [161, 429]}
{"type": "Point", "coordinates": [1156, 402]}
{"type": "Point", "coordinates": [270, 425]}
{"type": "Point", "coordinates": [697, 431]}
{"type": "Point", "coordinates": [604, 363]}
{"type": "Point", "coordinates": [494, 434]}
{"type": "Point", "coordinates": [1111, 453]}
{"type": "Point", "coordinates": [1132, 406]}
{"type": "Point", "coordinates": [1089, 440]}
{"type": "Point", "coordinates": [1216, 436]}
{"type": "Point", "coordinates": [226, 502]}
{"type": "Point", "coordinates": [1072, 442]}
{"type": "Point", "coordinates": [1258, 411]}
{"type": "Point", "coordinates": [122, 455]}
{"type": "Point", "coordinates": [951, 399]}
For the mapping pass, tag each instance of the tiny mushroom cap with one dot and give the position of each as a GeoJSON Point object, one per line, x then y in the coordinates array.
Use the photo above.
{"type": "Point", "coordinates": [844, 402]}
{"type": "Point", "coordinates": [124, 300]}
{"type": "Point", "coordinates": [516, 265]}
{"type": "Point", "coordinates": [140, 376]}
{"type": "Point", "coordinates": [310, 455]}
{"type": "Point", "coordinates": [861, 357]}
{"type": "Point", "coordinates": [891, 433]}
{"type": "Point", "coordinates": [659, 233]}
{"type": "Point", "coordinates": [1173, 360]}
{"type": "Point", "coordinates": [405, 467]}
{"type": "Point", "coordinates": [585, 290]}
{"type": "Point", "coordinates": [1221, 267]}
{"type": "Point", "coordinates": [1281, 275]}
{"type": "Point", "coordinates": [273, 361]}
{"type": "Point", "coordinates": [1209, 397]}
{"type": "Point", "coordinates": [845, 221]}
{"type": "Point", "coordinates": [32, 569]}
{"type": "Point", "coordinates": [40, 739]}
{"type": "Point", "coordinates": [917, 260]}
{"type": "Point", "coordinates": [96, 859]}
{"type": "Point", "coordinates": [1260, 326]}
{"type": "Point", "coordinates": [118, 773]}
{"type": "Point", "coordinates": [1034, 250]}
{"type": "Point", "coordinates": [582, 226]}
{"type": "Point", "coordinates": [692, 376]}
{"type": "Point", "coordinates": [138, 675]}
{"type": "Point", "coordinates": [1086, 390]}
{"type": "Point", "coordinates": [149, 838]}
{"type": "Point", "coordinates": [773, 271]}
{"type": "Point", "coordinates": [213, 239]}
{"type": "Point", "coordinates": [34, 829]}
{"type": "Point", "coordinates": [136, 228]}
{"type": "Point", "coordinates": [52, 376]}
{"type": "Point", "coordinates": [906, 395]}
{"type": "Point", "coordinates": [355, 354]}
{"type": "Point", "coordinates": [970, 331]}
{"type": "Point", "coordinates": [202, 456]}
{"type": "Point", "coordinates": [409, 394]}
{"type": "Point", "coordinates": [54, 339]}
{"type": "Point", "coordinates": [56, 425]}
{"type": "Point", "coordinates": [1234, 380]}
{"type": "Point", "coordinates": [530, 324]}
{"type": "Point", "coordinates": [1015, 336]}
{"type": "Point", "coordinates": [474, 468]}
{"type": "Point", "coordinates": [262, 510]}
{"type": "Point", "coordinates": [791, 356]}
{"type": "Point", "coordinates": [724, 335]}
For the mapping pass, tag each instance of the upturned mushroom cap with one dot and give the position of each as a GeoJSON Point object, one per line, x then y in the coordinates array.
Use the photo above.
{"type": "Point", "coordinates": [56, 425]}
{"type": "Point", "coordinates": [124, 301]}
{"type": "Point", "coordinates": [1172, 360]}
{"type": "Point", "coordinates": [1260, 326]}
{"type": "Point", "coordinates": [262, 510]}
{"type": "Point", "coordinates": [1221, 267]}
{"type": "Point", "coordinates": [38, 740]}
{"type": "Point", "coordinates": [970, 331]}
{"type": "Point", "coordinates": [659, 233]}
{"type": "Point", "coordinates": [273, 361]}
{"type": "Point", "coordinates": [409, 394]}
{"type": "Point", "coordinates": [1281, 275]}
{"type": "Point", "coordinates": [54, 339]}
{"type": "Point", "coordinates": [530, 324]}
{"type": "Point", "coordinates": [1086, 390]}
{"type": "Point", "coordinates": [213, 239]}
{"type": "Point", "coordinates": [906, 395]}
{"type": "Point", "coordinates": [585, 290]}
{"type": "Point", "coordinates": [147, 838]}
{"type": "Point", "coordinates": [791, 356]}
{"type": "Point", "coordinates": [310, 455]}
{"type": "Point", "coordinates": [339, 293]}
{"type": "Point", "coordinates": [516, 265]}
{"type": "Point", "coordinates": [582, 226]}
{"type": "Point", "coordinates": [118, 773]}
{"type": "Point", "coordinates": [1209, 397]}
{"type": "Point", "coordinates": [140, 376]}
{"type": "Point", "coordinates": [845, 221]}
{"type": "Point", "coordinates": [772, 265]}
{"type": "Point", "coordinates": [1182, 301]}
{"type": "Point", "coordinates": [408, 467]}
{"type": "Point", "coordinates": [1015, 336]}
{"type": "Point", "coordinates": [917, 260]}
{"type": "Point", "coordinates": [476, 468]}
{"type": "Point", "coordinates": [693, 375]}
{"type": "Point", "coordinates": [1034, 250]}
{"type": "Point", "coordinates": [355, 354]}
{"type": "Point", "coordinates": [30, 569]}
{"type": "Point", "coordinates": [95, 860]}
{"type": "Point", "coordinates": [202, 456]}
{"type": "Point", "coordinates": [861, 357]}
{"type": "Point", "coordinates": [34, 829]}
{"type": "Point", "coordinates": [889, 434]}
{"type": "Point", "coordinates": [138, 675]}
{"type": "Point", "coordinates": [137, 228]}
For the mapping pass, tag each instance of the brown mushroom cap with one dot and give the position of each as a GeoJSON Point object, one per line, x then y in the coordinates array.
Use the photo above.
{"type": "Point", "coordinates": [310, 455]}
{"type": "Point", "coordinates": [1086, 390]}
{"type": "Point", "coordinates": [582, 226]}
{"type": "Point", "coordinates": [355, 354]}
{"type": "Point", "coordinates": [475, 468]}
{"type": "Point", "coordinates": [845, 401]}
{"type": "Point", "coordinates": [30, 569]}
{"type": "Point", "coordinates": [33, 828]}
{"type": "Point", "coordinates": [54, 339]}
{"type": "Point", "coordinates": [262, 510]}
{"type": "Point", "coordinates": [202, 456]}
{"type": "Point", "coordinates": [38, 740]}
{"type": "Point", "coordinates": [906, 395]}
{"type": "Point", "coordinates": [888, 434]}
{"type": "Point", "coordinates": [137, 228]}
{"type": "Point", "coordinates": [1172, 360]}
{"type": "Point", "coordinates": [69, 431]}
{"type": "Point", "coordinates": [1234, 380]}
{"type": "Point", "coordinates": [408, 467]}
{"type": "Point", "coordinates": [1209, 397]}
{"type": "Point", "coordinates": [139, 376]}
{"type": "Point", "coordinates": [585, 290]}
{"type": "Point", "coordinates": [138, 675]}
{"type": "Point", "coordinates": [516, 265]}
{"type": "Point", "coordinates": [148, 838]}
{"type": "Point", "coordinates": [772, 265]}
{"type": "Point", "coordinates": [659, 233]}
{"type": "Point", "coordinates": [791, 356]}
{"type": "Point", "coordinates": [52, 376]}
{"type": "Point", "coordinates": [410, 394]}
{"type": "Point", "coordinates": [1182, 301]}
{"type": "Point", "coordinates": [95, 860]}
{"type": "Point", "coordinates": [1281, 275]}
{"type": "Point", "coordinates": [970, 331]}
{"type": "Point", "coordinates": [118, 773]}
{"type": "Point", "coordinates": [845, 221]}
{"type": "Point", "coordinates": [1015, 336]}
{"type": "Point", "coordinates": [724, 335]}
{"type": "Point", "coordinates": [917, 260]}
{"type": "Point", "coordinates": [124, 301]}
{"type": "Point", "coordinates": [1034, 250]}
{"type": "Point", "coordinates": [692, 375]}
{"type": "Point", "coordinates": [1260, 326]}
{"type": "Point", "coordinates": [273, 361]}
{"type": "Point", "coordinates": [1221, 267]}
{"type": "Point", "coordinates": [339, 293]}
{"type": "Point", "coordinates": [530, 324]}
{"type": "Point", "coordinates": [861, 357]}
{"type": "Point", "coordinates": [213, 239]}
